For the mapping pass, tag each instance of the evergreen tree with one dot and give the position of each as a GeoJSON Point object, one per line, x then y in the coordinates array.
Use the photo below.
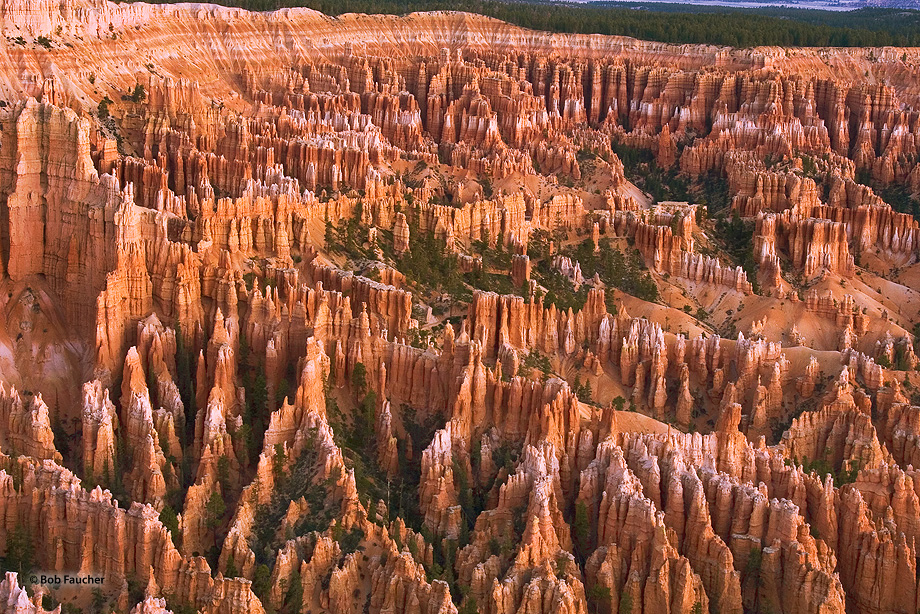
{"type": "Point", "coordinates": [359, 379]}
{"type": "Point", "coordinates": [170, 520]}
{"type": "Point", "coordinates": [214, 511]}
{"type": "Point", "coordinates": [20, 555]}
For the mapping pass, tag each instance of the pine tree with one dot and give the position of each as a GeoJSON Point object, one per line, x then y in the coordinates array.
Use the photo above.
{"type": "Point", "coordinates": [20, 555]}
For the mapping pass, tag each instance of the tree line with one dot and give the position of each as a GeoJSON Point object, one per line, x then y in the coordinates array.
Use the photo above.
{"type": "Point", "coordinates": [870, 27]}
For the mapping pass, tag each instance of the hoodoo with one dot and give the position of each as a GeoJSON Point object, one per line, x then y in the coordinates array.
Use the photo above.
{"type": "Point", "coordinates": [436, 314]}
